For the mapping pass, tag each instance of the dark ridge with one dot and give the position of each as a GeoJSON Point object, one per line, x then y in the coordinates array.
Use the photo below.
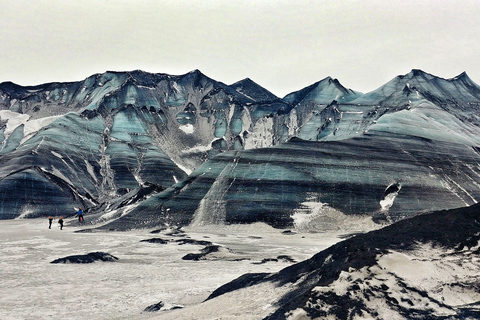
{"type": "Point", "coordinates": [9, 86]}
{"type": "Point", "coordinates": [286, 258]}
{"type": "Point", "coordinates": [194, 242]}
{"type": "Point", "coordinates": [154, 307]}
{"type": "Point", "coordinates": [87, 258]}
{"type": "Point", "coordinates": [204, 252]}
{"type": "Point", "coordinates": [243, 281]}
{"type": "Point", "coordinates": [155, 240]}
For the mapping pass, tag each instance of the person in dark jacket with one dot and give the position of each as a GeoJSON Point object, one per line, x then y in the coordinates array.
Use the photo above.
{"type": "Point", "coordinates": [61, 223]}
{"type": "Point", "coordinates": [50, 220]}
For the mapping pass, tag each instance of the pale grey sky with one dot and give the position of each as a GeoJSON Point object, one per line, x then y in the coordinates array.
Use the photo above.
{"type": "Point", "coordinates": [283, 45]}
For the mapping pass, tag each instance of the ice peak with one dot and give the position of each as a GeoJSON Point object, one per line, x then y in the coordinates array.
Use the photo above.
{"type": "Point", "coordinates": [196, 72]}
{"type": "Point", "coordinates": [462, 76]}
{"type": "Point", "coordinates": [197, 75]}
{"type": "Point", "coordinates": [243, 82]}
{"type": "Point", "coordinates": [323, 91]}
{"type": "Point", "coordinates": [253, 90]}
{"type": "Point", "coordinates": [417, 72]}
{"type": "Point", "coordinates": [246, 80]}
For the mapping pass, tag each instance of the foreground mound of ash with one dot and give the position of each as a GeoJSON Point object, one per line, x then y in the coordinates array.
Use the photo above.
{"type": "Point", "coordinates": [421, 268]}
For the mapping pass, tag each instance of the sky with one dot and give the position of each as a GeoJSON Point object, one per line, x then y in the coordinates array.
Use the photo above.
{"type": "Point", "coordinates": [283, 45]}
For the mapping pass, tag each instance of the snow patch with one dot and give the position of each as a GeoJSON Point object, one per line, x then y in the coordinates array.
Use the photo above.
{"type": "Point", "coordinates": [318, 216]}
{"type": "Point", "coordinates": [188, 171]}
{"type": "Point", "coordinates": [197, 149]}
{"type": "Point", "coordinates": [14, 119]}
{"type": "Point", "coordinates": [389, 198]}
{"type": "Point", "coordinates": [118, 213]}
{"type": "Point", "coordinates": [297, 314]}
{"type": "Point", "coordinates": [58, 155]}
{"type": "Point", "coordinates": [212, 208]}
{"type": "Point", "coordinates": [188, 128]}
{"type": "Point", "coordinates": [33, 126]}
{"type": "Point", "coordinates": [261, 135]}
{"type": "Point", "coordinates": [436, 271]}
{"type": "Point", "coordinates": [59, 174]}
{"type": "Point", "coordinates": [292, 124]}
{"type": "Point", "coordinates": [90, 170]}
{"type": "Point", "coordinates": [25, 213]}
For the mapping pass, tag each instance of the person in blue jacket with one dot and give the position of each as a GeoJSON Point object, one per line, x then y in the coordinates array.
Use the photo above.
{"type": "Point", "coordinates": [80, 215]}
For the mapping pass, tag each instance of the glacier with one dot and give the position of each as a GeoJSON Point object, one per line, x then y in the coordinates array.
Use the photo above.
{"type": "Point", "coordinates": [158, 149]}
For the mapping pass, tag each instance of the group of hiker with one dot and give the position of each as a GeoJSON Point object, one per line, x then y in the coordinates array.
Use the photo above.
{"type": "Point", "coordinates": [60, 221]}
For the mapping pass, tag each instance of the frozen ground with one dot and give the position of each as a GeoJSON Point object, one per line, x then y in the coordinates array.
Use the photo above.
{"type": "Point", "coordinates": [145, 274]}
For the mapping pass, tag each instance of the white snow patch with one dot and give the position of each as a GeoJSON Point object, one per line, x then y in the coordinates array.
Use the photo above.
{"type": "Point", "coordinates": [182, 167]}
{"type": "Point", "coordinates": [14, 119]}
{"type": "Point", "coordinates": [292, 124]}
{"type": "Point", "coordinates": [139, 179]}
{"type": "Point", "coordinates": [33, 126]}
{"type": "Point", "coordinates": [118, 213]}
{"type": "Point", "coordinates": [26, 211]}
{"type": "Point", "coordinates": [56, 154]}
{"type": "Point", "coordinates": [261, 135]}
{"type": "Point", "coordinates": [59, 174]}
{"type": "Point", "coordinates": [231, 112]}
{"type": "Point", "coordinates": [318, 216]}
{"type": "Point", "coordinates": [90, 170]}
{"type": "Point", "coordinates": [197, 149]}
{"type": "Point", "coordinates": [448, 182]}
{"type": "Point", "coordinates": [387, 202]}
{"type": "Point", "coordinates": [212, 207]}
{"type": "Point", "coordinates": [188, 128]}
{"type": "Point", "coordinates": [297, 314]}
{"type": "Point", "coordinates": [433, 270]}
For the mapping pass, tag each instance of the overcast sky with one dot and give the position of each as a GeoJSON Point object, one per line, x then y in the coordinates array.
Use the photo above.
{"type": "Point", "coordinates": [282, 45]}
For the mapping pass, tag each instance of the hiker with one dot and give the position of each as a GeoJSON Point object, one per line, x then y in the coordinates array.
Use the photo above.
{"type": "Point", "coordinates": [80, 215]}
{"type": "Point", "coordinates": [61, 223]}
{"type": "Point", "coordinates": [50, 220]}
